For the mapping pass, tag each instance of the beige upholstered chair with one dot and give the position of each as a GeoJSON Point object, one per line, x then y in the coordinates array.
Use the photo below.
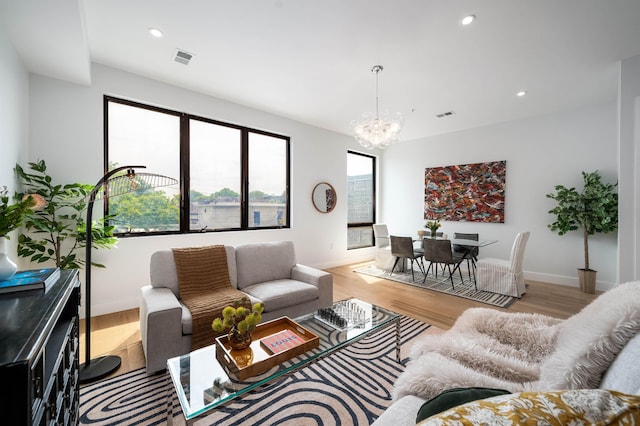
{"type": "Point", "coordinates": [504, 276]}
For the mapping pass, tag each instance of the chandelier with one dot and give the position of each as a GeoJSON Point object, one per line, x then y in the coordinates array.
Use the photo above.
{"type": "Point", "coordinates": [379, 131]}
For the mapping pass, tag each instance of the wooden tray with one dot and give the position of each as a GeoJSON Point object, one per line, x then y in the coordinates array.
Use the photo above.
{"type": "Point", "coordinates": [252, 361]}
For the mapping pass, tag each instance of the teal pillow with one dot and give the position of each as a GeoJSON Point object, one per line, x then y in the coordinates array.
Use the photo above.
{"type": "Point", "coordinates": [454, 397]}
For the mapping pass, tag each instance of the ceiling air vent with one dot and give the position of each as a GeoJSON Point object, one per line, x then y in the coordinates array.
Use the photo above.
{"type": "Point", "coordinates": [445, 114]}
{"type": "Point", "coordinates": [182, 57]}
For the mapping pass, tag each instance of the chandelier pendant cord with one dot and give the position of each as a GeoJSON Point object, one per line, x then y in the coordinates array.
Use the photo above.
{"type": "Point", "coordinates": [377, 69]}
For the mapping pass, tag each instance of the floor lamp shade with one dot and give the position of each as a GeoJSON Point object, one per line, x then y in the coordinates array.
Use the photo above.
{"type": "Point", "coordinates": [112, 184]}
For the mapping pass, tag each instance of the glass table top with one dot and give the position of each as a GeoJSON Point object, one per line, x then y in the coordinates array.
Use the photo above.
{"type": "Point", "coordinates": [202, 383]}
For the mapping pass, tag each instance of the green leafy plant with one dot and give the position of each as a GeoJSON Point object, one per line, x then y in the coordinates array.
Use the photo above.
{"type": "Point", "coordinates": [11, 215]}
{"type": "Point", "coordinates": [594, 210]}
{"type": "Point", "coordinates": [57, 231]}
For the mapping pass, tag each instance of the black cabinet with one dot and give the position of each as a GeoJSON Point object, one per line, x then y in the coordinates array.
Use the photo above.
{"type": "Point", "coordinates": [39, 354]}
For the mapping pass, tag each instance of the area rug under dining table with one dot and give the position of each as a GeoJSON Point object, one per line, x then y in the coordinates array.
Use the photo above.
{"type": "Point", "coordinates": [442, 284]}
{"type": "Point", "coordinates": [349, 387]}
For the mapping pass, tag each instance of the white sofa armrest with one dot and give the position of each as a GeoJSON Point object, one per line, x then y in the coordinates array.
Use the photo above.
{"type": "Point", "coordinates": [160, 326]}
{"type": "Point", "coordinates": [321, 279]}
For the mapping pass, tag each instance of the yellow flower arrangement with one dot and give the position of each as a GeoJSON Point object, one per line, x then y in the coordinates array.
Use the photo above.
{"type": "Point", "coordinates": [245, 320]}
{"type": "Point", "coordinates": [433, 226]}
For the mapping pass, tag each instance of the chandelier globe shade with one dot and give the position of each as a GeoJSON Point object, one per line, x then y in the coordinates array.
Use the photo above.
{"type": "Point", "coordinates": [379, 130]}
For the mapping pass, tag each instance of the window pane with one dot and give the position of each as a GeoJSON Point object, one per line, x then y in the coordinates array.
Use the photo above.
{"type": "Point", "coordinates": [267, 181]}
{"type": "Point", "coordinates": [360, 200]}
{"type": "Point", "coordinates": [215, 176]}
{"type": "Point", "coordinates": [359, 188]}
{"type": "Point", "coordinates": [359, 237]}
{"type": "Point", "coordinates": [139, 136]}
{"type": "Point", "coordinates": [235, 177]}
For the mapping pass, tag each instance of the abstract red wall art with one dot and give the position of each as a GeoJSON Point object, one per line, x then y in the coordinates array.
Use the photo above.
{"type": "Point", "coordinates": [467, 192]}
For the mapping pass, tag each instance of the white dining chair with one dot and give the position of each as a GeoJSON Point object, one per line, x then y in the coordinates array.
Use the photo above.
{"type": "Point", "coordinates": [381, 234]}
{"type": "Point", "coordinates": [384, 260]}
{"type": "Point", "coordinates": [504, 276]}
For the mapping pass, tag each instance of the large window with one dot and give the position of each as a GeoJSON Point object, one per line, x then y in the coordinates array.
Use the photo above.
{"type": "Point", "coordinates": [231, 177]}
{"type": "Point", "coordinates": [361, 199]}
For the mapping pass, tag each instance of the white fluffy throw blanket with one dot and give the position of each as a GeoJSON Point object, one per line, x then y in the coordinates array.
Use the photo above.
{"type": "Point", "coordinates": [520, 351]}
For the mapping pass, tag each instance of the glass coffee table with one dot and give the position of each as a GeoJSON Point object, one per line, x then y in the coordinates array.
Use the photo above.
{"type": "Point", "coordinates": [203, 384]}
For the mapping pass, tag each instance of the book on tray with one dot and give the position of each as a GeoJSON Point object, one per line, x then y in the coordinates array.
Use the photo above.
{"type": "Point", "coordinates": [281, 341]}
{"type": "Point", "coordinates": [35, 279]}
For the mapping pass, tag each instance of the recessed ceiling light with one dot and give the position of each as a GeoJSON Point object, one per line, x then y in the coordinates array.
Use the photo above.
{"type": "Point", "coordinates": [521, 93]}
{"type": "Point", "coordinates": [155, 32]}
{"type": "Point", "coordinates": [468, 19]}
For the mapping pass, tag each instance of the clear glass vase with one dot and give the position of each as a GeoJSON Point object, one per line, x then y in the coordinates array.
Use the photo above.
{"type": "Point", "coordinates": [7, 267]}
{"type": "Point", "coordinates": [238, 340]}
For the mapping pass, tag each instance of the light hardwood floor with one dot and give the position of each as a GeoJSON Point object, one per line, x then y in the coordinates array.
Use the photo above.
{"type": "Point", "coordinates": [119, 333]}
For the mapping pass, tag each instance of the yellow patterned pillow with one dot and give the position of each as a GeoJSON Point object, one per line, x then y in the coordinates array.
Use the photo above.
{"type": "Point", "coordinates": [574, 407]}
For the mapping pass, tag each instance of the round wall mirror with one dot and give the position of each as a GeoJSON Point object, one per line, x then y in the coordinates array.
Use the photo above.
{"type": "Point", "coordinates": [324, 197]}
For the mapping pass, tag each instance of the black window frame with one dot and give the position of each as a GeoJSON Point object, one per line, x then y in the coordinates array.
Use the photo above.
{"type": "Point", "coordinates": [184, 178]}
{"type": "Point", "coordinates": [374, 164]}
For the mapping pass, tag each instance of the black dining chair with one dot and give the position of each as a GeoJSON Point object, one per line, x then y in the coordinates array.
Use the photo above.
{"type": "Point", "coordinates": [402, 248]}
{"type": "Point", "coordinates": [439, 252]}
{"type": "Point", "coordinates": [469, 252]}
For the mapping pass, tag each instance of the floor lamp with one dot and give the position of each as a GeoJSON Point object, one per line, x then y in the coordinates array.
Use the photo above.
{"type": "Point", "coordinates": [113, 185]}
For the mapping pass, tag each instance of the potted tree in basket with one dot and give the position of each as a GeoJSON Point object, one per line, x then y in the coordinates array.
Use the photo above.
{"type": "Point", "coordinates": [594, 210]}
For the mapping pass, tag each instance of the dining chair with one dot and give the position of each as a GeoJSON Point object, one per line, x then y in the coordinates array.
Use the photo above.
{"type": "Point", "coordinates": [439, 252]}
{"type": "Point", "coordinates": [384, 259]}
{"type": "Point", "coordinates": [402, 248]}
{"type": "Point", "coordinates": [381, 234]}
{"type": "Point", "coordinates": [504, 276]}
{"type": "Point", "coordinates": [469, 252]}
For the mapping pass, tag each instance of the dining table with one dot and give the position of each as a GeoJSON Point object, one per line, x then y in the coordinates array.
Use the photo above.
{"type": "Point", "coordinates": [466, 245]}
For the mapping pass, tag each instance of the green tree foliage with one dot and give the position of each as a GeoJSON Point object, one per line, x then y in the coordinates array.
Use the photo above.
{"type": "Point", "coordinates": [145, 209]}
{"type": "Point", "coordinates": [226, 193]}
{"type": "Point", "coordinates": [57, 231]}
{"type": "Point", "coordinates": [594, 210]}
{"type": "Point", "coordinates": [257, 195]}
{"type": "Point", "coordinates": [11, 215]}
{"type": "Point", "coordinates": [198, 197]}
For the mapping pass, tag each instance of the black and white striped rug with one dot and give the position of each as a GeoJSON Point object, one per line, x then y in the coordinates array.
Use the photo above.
{"type": "Point", "coordinates": [349, 387]}
{"type": "Point", "coordinates": [442, 284]}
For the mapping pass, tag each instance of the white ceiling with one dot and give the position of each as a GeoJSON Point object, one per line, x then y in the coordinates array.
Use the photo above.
{"type": "Point", "coordinates": [310, 60]}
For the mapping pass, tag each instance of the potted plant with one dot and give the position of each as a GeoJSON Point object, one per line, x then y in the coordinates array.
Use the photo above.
{"type": "Point", "coordinates": [594, 210]}
{"type": "Point", "coordinates": [56, 231]}
{"type": "Point", "coordinates": [240, 321]}
{"type": "Point", "coordinates": [433, 226]}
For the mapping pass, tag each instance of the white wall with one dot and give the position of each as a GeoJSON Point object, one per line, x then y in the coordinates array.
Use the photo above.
{"type": "Point", "coordinates": [14, 90]}
{"type": "Point", "coordinates": [66, 131]}
{"type": "Point", "coordinates": [540, 153]}
{"type": "Point", "coordinates": [629, 146]}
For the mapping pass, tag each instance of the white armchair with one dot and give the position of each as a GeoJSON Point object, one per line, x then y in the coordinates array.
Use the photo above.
{"type": "Point", "coordinates": [504, 276]}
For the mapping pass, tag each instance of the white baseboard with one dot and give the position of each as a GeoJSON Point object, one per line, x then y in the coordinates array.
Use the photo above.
{"type": "Point", "coordinates": [109, 308]}
{"type": "Point", "coordinates": [564, 280]}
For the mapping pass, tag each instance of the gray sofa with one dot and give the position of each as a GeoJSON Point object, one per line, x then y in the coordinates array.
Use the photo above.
{"type": "Point", "coordinates": [598, 348]}
{"type": "Point", "coordinates": [266, 272]}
